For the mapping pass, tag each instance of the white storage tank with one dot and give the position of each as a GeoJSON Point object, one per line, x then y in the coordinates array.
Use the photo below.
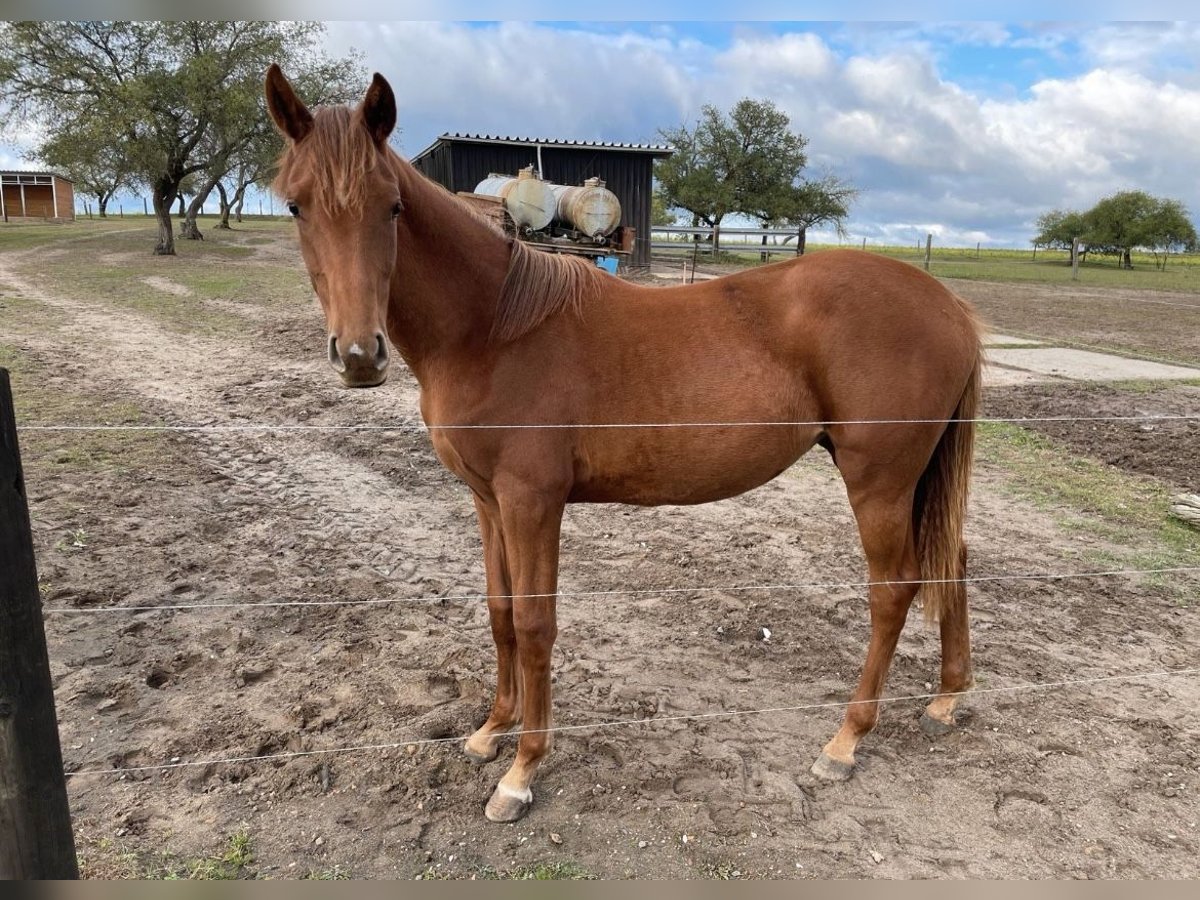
{"type": "Point", "coordinates": [529, 200]}
{"type": "Point", "coordinates": [591, 209]}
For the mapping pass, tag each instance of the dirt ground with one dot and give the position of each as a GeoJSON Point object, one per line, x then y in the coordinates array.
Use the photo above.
{"type": "Point", "coordinates": [1087, 781]}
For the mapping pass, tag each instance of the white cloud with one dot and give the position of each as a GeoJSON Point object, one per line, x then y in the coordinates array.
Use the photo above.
{"type": "Point", "coordinates": [879, 104]}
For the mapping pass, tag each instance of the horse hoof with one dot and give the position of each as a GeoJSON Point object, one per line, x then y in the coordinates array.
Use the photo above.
{"type": "Point", "coordinates": [829, 769]}
{"type": "Point", "coordinates": [935, 727]}
{"type": "Point", "coordinates": [480, 759]}
{"type": "Point", "coordinates": [507, 804]}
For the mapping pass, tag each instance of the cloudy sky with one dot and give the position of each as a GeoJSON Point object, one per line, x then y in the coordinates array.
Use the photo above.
{"type": "Point", "coordinates": [966, 130]}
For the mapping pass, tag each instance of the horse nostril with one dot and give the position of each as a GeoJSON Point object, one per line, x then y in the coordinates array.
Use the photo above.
{"type": "Point", "coordinates": [381, 351]}
{"type": "Point", "coordinates": [335, 358]}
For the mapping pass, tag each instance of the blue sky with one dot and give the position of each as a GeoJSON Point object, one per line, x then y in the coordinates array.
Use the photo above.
{"type": "Point", "coordinates": [969, 130]}
{"type": "Point", "coordinates": [966, 129]}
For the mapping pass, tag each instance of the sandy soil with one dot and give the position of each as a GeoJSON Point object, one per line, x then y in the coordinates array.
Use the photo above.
{"type": "Point", "coordinates": [1094, 781]}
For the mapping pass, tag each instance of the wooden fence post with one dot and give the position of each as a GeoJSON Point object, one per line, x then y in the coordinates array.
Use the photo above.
{"type": "Point", "coordinates": [928, 250]}
{"type": "Point", "coordinates": [1075, 259]}
{"type": "Point", "coordinates": [35, 820]}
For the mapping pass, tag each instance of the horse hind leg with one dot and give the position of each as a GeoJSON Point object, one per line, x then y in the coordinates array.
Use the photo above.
{"type": "Point", "coordinates": [885, 524]}
{"type": "Point", "coordinates": [939, 717]}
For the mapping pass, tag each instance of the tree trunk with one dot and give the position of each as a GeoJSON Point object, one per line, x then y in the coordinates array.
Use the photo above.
{"type": "Point", "coordinates": [102, 204]}
{"type": "Point", "coordinates": [164, 196]}
{"type": "Point", "coordinates": [238, 199]}
{"type": "Point", "coordinates": [224, 200]}
{"type": "Point", "coordinates": [182, 210]}
{"type": "Point", "coordinates": [1126, 261]}
{"type": "Point", "coordinates": [801, 240]}
{"type": "Point", "coordinates": [189, 229]}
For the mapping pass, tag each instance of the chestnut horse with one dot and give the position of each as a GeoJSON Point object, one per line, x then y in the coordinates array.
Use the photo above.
{"type": "Point", "coordinates": [497, 334]}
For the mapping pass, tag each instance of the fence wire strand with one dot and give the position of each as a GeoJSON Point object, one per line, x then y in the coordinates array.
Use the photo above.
{"type": "Point", "coordinates": [648, 721]}
{"type": "Point", "coordinates": [627, 592]}
{"type": "Point", "coordinates": [421, 426]}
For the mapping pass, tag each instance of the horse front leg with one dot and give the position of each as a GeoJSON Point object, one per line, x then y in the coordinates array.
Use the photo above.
{"type": "Point", "coordinates": [531, 524]}
{"type": "Point", "coordinates": [484, 744]}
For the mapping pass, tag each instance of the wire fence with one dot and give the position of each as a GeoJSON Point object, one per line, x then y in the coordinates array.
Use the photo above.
{"type": "Point", "coordinates": [649, 721]}
{"type": "Point", "coordinates": [475, 426]}
{"type": "Point", "coordinates": [238, 605]}
{"type": "Point", "coordinates": [630, 592]}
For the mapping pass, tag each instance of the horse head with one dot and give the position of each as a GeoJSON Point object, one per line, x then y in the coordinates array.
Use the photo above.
{"type": "Point", "coordinates": [338, 178]}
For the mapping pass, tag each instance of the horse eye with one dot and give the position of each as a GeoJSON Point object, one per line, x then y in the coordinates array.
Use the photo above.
{"type": "Point", "coordinates": [397, 209]}
{"type": "Point", "coordinates": [293, 209]}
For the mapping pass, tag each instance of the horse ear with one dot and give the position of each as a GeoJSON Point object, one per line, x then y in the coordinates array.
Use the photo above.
{"type": "Point", "coordinates": [290, 114]}
{"type": "Point", "coordinates": [379, 109]}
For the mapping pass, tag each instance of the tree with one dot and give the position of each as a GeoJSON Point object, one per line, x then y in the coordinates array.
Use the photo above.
{"type": "Point", "coordinates": [735, 163]}
{"type": "Point", "coordinates": [808, 204]}
{"type": "Point", "coordinates": [1058, 229]}
{"type": "Point", "coordinates": [175, 96]}
{"type": "Point", "coordinates": [1170, 229]}
{"type": "Point", "coordinates": [97, 165]}
{"type": "Point", "coordinates": [659, 213]}
{"type": "Point", "coordinates": [1118, 224]}
{"type": "Point", "coordinates": [748, 162]}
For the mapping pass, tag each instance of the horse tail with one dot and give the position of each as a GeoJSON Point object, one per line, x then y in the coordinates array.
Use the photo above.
{"type": "Point", "coordinates": [941, 506]}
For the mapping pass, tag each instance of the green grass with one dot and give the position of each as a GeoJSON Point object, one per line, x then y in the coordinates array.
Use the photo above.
{"type": "Point", "coordinates": [1182, 273]}
{"type": "Point", "coordinates": [1088, 496]}
{"type": "Point", "coordinates": [110, 262]}
{"type": "Point", "coordinates": [233, 860]}
{"type": "Point", "coordinates": [544, 871]}
{"type": "Point", "coordinates": [37, 400]}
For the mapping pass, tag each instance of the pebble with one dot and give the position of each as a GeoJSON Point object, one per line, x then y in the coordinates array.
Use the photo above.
{"type": "Point", "coordinates": [877, 857]}
{"type": "Point", "coordinates": [555, 837]}
{"type": "Point", "coordinates": [319, 842]}
{"type": "Point", "coordinates": [641, 845]}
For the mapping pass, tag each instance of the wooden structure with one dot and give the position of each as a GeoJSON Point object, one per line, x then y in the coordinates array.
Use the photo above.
{"type": "Point", "coordinates": [35, 821]}
{"type": "Point", "coordinates": [36, 195]}
{"type": "Point", "coordinates": [459, 162]}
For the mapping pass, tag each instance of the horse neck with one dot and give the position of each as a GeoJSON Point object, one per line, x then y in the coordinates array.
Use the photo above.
{"type": "Point", "coordinates": [450, 267]}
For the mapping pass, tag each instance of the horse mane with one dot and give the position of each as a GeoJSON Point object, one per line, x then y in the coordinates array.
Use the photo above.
{"type": "Point", "coordinates": [539, 285]}
{"type": "Point", "coordinates": [339, 153]}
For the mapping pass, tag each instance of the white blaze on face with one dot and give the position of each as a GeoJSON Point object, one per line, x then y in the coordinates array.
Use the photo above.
{"type": "Point", "coordinates": [355, 350]}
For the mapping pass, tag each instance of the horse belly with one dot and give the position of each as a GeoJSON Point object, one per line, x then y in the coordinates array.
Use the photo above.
{"type": "Point", "coordinates": [703, 465]}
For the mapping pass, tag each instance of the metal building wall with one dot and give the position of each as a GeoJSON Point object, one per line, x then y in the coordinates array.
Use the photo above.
{"type": "Point", "coordinates": [460, 166]}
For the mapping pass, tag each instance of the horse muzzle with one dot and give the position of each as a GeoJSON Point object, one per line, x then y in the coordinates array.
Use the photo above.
{"type": "Point", "coordinates": [360, 363]}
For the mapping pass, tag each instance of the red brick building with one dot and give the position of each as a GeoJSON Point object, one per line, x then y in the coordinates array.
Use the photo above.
{"type": "Point", "coordinates": [36, 195]}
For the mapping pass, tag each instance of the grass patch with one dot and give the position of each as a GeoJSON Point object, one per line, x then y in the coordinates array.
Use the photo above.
{"type": "Point", "coordinates": [109, 261]}
{"type": "Point", "coordinates": [1126, 509]}
{"type": "Point", "coordinates": [39, 400]}
{"type": "Point", "coordinates": [547, 871]}
{"type": "Point", "coordinates": [105, 859]}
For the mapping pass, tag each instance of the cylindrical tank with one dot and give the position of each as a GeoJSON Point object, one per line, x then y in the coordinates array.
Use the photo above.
{"type": "Point", "coordinates": [527, 198]}
{"type": "Point", "coordinates": [592, 209]}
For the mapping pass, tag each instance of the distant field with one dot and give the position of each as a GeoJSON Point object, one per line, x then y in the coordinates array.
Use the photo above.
{"type": "Point", "coordinates": [1182, 273]}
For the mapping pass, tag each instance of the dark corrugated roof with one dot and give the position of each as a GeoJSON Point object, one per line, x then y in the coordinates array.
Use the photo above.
{"type": "Point", "coordinates": [655, 149]}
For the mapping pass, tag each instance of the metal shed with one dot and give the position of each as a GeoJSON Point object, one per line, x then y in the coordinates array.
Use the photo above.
{"type": "Point", "coordinates": [36, 195]}
{"type": "Point", "coordinates": [459, 162]}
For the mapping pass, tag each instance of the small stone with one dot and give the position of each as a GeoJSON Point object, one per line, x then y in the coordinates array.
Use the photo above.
{"type": "Point", "coordinates": [766, 633]}
{"type": "Point", "coordinates": [877, 857]}
{"type": "Point", "coordinates": [641, 845]}
{"type": "Point", "coordinates": [319, 842]}
{"type": "Point", "coordinates": [555, 837]}
{"type": "Point", "coordinates": [410, 749]}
